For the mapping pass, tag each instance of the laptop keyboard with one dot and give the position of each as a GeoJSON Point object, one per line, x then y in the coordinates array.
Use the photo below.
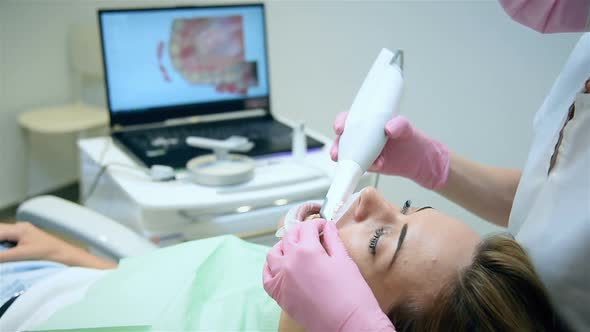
{"type": "Point", "coordinates": [166, 145]}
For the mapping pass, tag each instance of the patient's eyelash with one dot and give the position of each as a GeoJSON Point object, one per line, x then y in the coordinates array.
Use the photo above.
{"type": "Point", "coordinates": [406, 206]}
{"type": "Point", "coordinates": [374, 240]}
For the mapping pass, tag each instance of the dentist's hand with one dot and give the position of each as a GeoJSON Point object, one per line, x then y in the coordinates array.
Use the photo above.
{"type": "Point", "coordinates": [408, 153]}
{"type": "Point", "coordinates": [318, 285]}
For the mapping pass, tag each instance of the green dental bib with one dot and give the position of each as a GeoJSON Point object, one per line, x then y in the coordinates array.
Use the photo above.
{"type": "Point", "coordinates": [207, 285]}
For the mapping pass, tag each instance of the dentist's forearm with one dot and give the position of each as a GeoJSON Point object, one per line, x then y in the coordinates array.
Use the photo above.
{"type": "Point", "coordinates": [484, 190]}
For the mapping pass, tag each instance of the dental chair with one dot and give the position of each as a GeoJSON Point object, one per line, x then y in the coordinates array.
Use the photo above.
{"type": "Point", "coordinates": [103, 236]}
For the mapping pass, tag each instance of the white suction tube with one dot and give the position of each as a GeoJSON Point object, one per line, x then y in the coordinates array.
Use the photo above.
{"type": "Point", "coordinates": [364, 137]}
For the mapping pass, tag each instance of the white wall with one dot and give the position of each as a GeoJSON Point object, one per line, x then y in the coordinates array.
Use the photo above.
{"type": "Point", "coordinates": [474, 77]}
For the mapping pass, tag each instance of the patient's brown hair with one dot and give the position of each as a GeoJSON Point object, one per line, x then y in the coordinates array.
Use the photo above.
{"type": "Point", "coordinates": [499, 291]}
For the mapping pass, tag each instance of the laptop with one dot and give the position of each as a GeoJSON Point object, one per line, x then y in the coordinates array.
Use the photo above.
{"type": "Point", "coordinates": [166, 67]}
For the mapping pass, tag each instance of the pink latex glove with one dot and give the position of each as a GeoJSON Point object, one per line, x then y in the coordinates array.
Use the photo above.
{"type": "Point", "coordinates": [317, 283]}
{"type": "Point", "coordinates": [550, 16]}
{"type": "Point", "coordinates": [408, 153]}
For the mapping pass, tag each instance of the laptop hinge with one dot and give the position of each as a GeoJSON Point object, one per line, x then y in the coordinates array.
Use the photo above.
{"type": "Point", "coordinates": [254, 113]}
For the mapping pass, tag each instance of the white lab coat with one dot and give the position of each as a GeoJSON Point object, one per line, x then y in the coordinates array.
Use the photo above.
{"type": "Point", "coordinates": [551, 212]}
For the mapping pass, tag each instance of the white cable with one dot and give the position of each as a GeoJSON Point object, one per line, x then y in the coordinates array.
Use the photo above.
{"type": "Point", "coordinates": [103, 168]}
{"type": "Point", "coordinates": [85, 196]}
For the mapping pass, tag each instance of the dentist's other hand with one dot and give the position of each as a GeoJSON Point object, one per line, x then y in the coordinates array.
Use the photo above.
{"type": "Point", "coordinates": [315, 281]}
{"type": "Point", "coordinates": [408, 153]}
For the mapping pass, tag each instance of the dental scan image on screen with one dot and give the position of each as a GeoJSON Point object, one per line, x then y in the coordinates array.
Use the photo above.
{"type": "Point", "coordinates": [183, 56]}
{"type": "Point", "coordinates": [210, 51]}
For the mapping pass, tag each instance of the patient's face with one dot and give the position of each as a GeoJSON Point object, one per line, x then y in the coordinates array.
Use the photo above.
{"type": "Point", "coordinates": [435, 246]}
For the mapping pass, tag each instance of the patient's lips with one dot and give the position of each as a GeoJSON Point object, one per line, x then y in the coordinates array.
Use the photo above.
{"type": "Point", "coordinates": [307, 210]}
{"type": "Point", "coordinates": [299, 214]}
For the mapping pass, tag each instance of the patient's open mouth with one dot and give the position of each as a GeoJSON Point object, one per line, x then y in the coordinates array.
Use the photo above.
{"type": "Point", "coordinates": [312, 216]}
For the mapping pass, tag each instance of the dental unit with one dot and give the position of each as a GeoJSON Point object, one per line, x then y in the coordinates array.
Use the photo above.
{"type": "Point", "coordinates": [364, 137]}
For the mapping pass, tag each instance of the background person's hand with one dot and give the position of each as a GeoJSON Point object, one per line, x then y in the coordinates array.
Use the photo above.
{"type": "Point", "coordinates": [35, 244]}
{"type": "Point", "coordinates": [408, 153]}
{"type": "Point", "coordinates": [32, 244]}
{"type": "Point", "coordinates": [317, 283]}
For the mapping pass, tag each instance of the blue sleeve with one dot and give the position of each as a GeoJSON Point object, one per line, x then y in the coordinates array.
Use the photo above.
{"type": "Point", "coordinates": [16, 277]}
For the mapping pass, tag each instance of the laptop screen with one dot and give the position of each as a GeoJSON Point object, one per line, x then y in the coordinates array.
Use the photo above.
{"type": "Point", "coordinates": [166, 63]}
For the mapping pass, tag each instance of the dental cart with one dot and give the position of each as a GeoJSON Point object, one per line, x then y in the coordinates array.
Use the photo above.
{"type": "Point", "coordinates": [169, 212]}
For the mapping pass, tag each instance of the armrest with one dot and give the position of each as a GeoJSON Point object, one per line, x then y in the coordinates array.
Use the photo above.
{"type": "Point", "coordinates": [78, 222]}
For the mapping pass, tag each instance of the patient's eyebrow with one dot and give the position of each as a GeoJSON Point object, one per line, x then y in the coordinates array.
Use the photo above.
{"type": "Point", "coordinates": [400, 240]}
{"type": "Point", "coordinates": [402, 236]}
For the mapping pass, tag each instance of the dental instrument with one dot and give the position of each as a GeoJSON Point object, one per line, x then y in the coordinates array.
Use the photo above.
{"type": "Point", "coordinates": [299, 142]}
{"type": "Point", "coordinates": [221, 168]}
{"type": "Point", "coordinates": [363, 138]}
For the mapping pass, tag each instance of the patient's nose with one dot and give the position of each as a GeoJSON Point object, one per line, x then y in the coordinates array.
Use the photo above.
{"type": "Point", "coordinates": [372, 204]}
